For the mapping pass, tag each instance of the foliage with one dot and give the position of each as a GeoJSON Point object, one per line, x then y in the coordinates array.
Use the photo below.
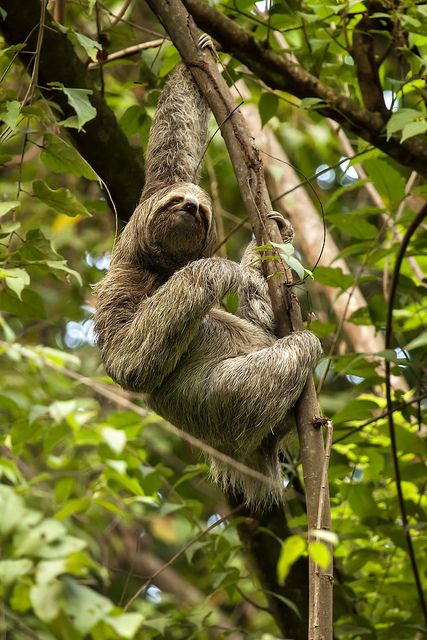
{"type": "Point", "coordinates": [96, 492]}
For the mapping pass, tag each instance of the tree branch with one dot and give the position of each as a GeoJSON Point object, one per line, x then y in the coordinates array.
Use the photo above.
{"type": "Point", "coordinates": [102, 143]}
{"type": "Point", "coordinates": [249, 172]}
{"type": "Point", "coordinates": [280, 73]}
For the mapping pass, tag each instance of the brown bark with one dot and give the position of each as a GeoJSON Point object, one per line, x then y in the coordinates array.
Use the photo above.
{"type": "Point", "coordinates": [279, 72]}
{"type": "Point", "coordinates": [249, 172]}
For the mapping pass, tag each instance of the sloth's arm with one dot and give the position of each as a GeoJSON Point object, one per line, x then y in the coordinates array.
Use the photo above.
{"type": "Point", "coordinates": [178, 134]}
{"type": "Point", "coordinates": [145, 349]}
{"type": "Point", "coordinates": [254, 299]}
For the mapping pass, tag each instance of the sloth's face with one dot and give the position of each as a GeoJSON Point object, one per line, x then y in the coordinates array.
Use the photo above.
{"type": "Point", "coordinates": [179, 226]}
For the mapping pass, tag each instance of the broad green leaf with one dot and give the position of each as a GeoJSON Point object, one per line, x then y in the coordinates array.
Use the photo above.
{"type": "Point", "coordinates": [126, 624]}
{"type": "Point", "coordinates": [46, 600]}
{"type": "Point", "coordinates": [353, 225]}
{"type": "Point", "coordinates": [333, 277]}
{"type": "Point", "coordinates": [292, 548]}
{"type": "Point", "coordinates": [79, 100]}
{"type": "Point", "coordinates": [61, 157]}
{"type": "Point", "coordinates": [268, 104]}
{"type": "Point", "coordinates": [416, 343]}
{"type": "Point", "coordinates": [29, 542]}
{"type": "Point", "coordinates": [84, 605]}
{"type": "Point", "coordinates": [48, 570]}
{"type": "Point", "coordinates": [12, 113]}
{"type": "Point", "coordinates": [61, 199]}
{"type": "Point", "coordinates": [12, 570]}
{"type": "Point", "coordinates": [30, 306]}
{"type": "Point", "coordinates": [401, 119]}
{"type": "Point", "coordinates": [5, 207]}
{"type": "Point", "coordinates": [115, 438]}
{"type": "Point", "coordinates": [319, 552]}
{"type": "Point", "coordinates": [388, 181]}
{"type": "Point", "coordinates": [296, 265]}
{"type": "Point", "coordinates": [413, 129]}
{"type": "Point", "coordinates": [90, 46]}
{"type": "Point", "coordinates": [362, 502]}
{"type": "Point", "coordinates": [15, 279]}
{"type": "Point", "coordinates": [78, 505]}
{"type": "Point", "coordinates": [357, 409]}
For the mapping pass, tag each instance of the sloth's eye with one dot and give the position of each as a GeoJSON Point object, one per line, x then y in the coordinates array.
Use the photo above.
{"type": "Point", "coordinates": [174, 201]}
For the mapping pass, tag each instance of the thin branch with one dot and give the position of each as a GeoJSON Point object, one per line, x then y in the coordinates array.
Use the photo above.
{"type": "Point", "coordinates": [385, 414]}
{"type": "Point", "coordinates": [179, 553]}
{"type": "Point", "coordinates": [127, 52]}
{"type": "Point", "coordinates": [388, 336]}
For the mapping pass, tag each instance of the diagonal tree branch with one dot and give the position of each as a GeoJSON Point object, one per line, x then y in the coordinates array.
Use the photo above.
{"type": "Point", "coordinates": [281, 73]}
{"type": "Point", "coordinates": [102, 143]}
{"type": "Point", "coordinates": [249, 173]}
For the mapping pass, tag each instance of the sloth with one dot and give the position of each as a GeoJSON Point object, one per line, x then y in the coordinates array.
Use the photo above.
{"type": "Point", "coordinates": [224, 378]}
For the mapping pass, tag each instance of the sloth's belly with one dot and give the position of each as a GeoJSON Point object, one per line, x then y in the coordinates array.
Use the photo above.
{"type": "Point", "coordinates": [189, 398]}
{"type": "Point", "coordinates": [223, 335]}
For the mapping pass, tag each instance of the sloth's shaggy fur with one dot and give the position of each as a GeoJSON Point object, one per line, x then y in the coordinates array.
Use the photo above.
{"type": "Point", "coordinates": [224, 378]}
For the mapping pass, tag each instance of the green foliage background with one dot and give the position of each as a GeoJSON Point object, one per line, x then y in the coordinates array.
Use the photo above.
{"type": "Point", "coordinates": [89, 482]}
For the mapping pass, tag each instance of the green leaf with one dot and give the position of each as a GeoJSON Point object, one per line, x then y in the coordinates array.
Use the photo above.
{"type": "Point", "coordinates": [333, 277]}
{"type": "Point", "coordinates": [401, 119]}
{"type": "Point", "coordinates": [45, 600]}
{"type": "Point", "coordinates": [413, 129]}
{"type": "Point", "coordinates": [353, 225]}
{"type": "Point", "coordinates": [28, 542]}
{"type": "Point", "coordinates": [388, 181]}
{"type": "Point", "coordinates": [268, 104]}
{"type": "Point", "coordinates": [296, 265]}
{"type": "Point", "coordinates": [115, 438]}
{"type": "Point", "coordinates": [16, 280]}
{"type": "Point", "coordinates": [362, 502]}
{"type": "Point", "coordinates": [292, 548]}
{"type": "Point", "coordinates": [61, 199]}
{"type": "Point", "coordinates": [357, 409]}
{"type": "Point", "coordinates": [79, 100]}
{"type": "Point", "coordinates": [12, 570]}
{"type": "Point", "coordinates": [126, 624]}
{"type": "Point", "coordinates": [12, 113]}
{"type": "Point", "coordinates": [85, 606]}
{"type": "Point", "coordinates": [416, 343]}
{"type": "Point", "coordinates": [5, 207]}
{"type": "Point", "coordinates": [89, 45]}
{"type": "Point", "coordinates": [320, 553]}
{"type": "Point", "coordinates": [62, 157]}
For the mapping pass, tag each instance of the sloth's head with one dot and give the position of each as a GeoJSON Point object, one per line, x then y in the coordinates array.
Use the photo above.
{"type": "Point", "coordinates": [171, 228]}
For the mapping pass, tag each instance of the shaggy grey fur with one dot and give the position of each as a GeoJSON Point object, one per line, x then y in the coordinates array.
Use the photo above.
{"type": "Point", "coordinates": [223, 378]}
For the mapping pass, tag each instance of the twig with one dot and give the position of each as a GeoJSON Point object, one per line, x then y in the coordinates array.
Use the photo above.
{"type": "Point", "coordinates": [388, 335]}
{"type": "Point", "coordinates": [385, 414]}
{"type": "Point", "coordinates": [179, 553]}
{"type": "Point", "coordinates": [118, 16]}
{"type": "Point", "coordinates": [127, 52]}
{"type": "Point", "coordinates": [323, 498]}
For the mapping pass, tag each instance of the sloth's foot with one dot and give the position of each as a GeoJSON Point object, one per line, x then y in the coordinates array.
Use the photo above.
{"type": "Point", "coordinates": [285, 227]}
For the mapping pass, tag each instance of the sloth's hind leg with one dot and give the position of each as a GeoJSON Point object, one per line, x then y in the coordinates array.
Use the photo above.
{"type": "Point", "coordinates": [251, 394]}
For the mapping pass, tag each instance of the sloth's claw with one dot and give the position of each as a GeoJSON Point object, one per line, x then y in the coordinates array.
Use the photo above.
{"type": "Point", "coordinates": [205, 42]}
{"type": "Point", "coordinates": [285, 227]}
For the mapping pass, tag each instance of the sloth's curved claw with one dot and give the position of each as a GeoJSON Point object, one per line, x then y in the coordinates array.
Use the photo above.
{"type": "Point", "coordinates": [205, 42]}
{"type": "Point", "coordinates": [285, 227]}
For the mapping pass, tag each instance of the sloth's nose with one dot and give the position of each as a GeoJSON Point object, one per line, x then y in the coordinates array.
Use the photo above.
{"type": "Point", "coordinates": [190, 205]}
